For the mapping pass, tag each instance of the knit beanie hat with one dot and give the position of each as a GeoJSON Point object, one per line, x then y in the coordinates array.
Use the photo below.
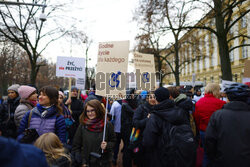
{"type": "Point", "coordinates": [14, 87]}
{"type": "Point", "coordinates": [25, 91]}
{"type": "Point", "coordinates": [161, 94]}
{"type": "Point", "coordinates": [74, 88]}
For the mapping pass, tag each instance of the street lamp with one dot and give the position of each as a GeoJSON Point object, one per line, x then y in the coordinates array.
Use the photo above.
{"type": "Point", "coordinates": [42, 17]}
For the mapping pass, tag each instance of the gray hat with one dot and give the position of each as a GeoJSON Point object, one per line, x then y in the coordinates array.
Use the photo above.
{"type": "Point", "coordinates": [14, 87]}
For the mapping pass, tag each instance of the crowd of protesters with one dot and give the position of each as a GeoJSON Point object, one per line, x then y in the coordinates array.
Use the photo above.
{"type": "Point", "coordinates": [167, 127]}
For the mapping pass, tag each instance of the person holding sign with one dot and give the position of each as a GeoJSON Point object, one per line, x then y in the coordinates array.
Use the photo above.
{"type": "Point", "coordinates": [76, 106]}
{"type": "Point", "coordinates": [89, 137]}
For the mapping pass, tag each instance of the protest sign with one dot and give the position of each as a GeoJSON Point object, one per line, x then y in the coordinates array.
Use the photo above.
{"type": "Point", "coordinates": [70, 67]}
{"type": "Point", "coordinates": [112, 67]}
{"type": "Point", "coordinates": [145, 65]}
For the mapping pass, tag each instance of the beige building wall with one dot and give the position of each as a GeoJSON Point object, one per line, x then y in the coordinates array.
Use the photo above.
{"type": "Point", "coordinates": [207, 68]}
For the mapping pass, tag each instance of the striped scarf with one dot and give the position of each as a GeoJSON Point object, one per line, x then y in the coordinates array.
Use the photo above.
{"type": "Point", "coordinates": [94, 125]}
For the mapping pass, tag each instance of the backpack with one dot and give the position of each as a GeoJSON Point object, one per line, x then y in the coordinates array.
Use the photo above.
{"type": "Point", "coordinates": [178, 146]}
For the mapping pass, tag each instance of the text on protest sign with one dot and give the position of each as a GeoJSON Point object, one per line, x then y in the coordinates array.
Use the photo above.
{"type": "Point", "coordinates": [70, 67]}
{"type": "Point", "coordinates": [112, 63]}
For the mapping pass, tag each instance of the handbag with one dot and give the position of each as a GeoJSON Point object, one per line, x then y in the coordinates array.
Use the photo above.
{"type": "Point", "coordinates": [30, 134]}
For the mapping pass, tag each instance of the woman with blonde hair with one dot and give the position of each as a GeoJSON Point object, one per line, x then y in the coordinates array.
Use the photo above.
{"type": "Point", "coordinates": [53, 149]}
{"type": "Point", "coordinates": [89, 137]}
{"type": "Point", "coordinates": [204, 109]}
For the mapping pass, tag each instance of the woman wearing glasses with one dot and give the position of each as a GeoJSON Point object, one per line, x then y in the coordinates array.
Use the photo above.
{"type": "Point", "coordinates": [89, 137]}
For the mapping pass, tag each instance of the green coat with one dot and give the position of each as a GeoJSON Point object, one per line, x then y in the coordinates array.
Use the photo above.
{"type": "Point", "coordinates": [86, 141]}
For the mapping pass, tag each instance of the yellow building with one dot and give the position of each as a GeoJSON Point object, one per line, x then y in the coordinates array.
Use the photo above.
{"type": "Point", "coordinates": [204, 58]}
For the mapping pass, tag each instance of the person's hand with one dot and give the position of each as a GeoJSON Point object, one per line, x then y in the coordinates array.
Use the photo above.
{"type": "Point", "coordinates": [68, 102]}
{"type": "Point", "coordinates": [148, 116]}
{"type": "Point", "coordinates": [84, 165]}
{"type": "Point", "coordinates": [104, 145]}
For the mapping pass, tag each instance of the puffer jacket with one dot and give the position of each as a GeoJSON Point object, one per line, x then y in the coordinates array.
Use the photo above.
{"type": "Point", "coordinates": [21, 109]}
{"type": "Point", "coordinates": [228, 135]}
{"type": "Point", "coordinates": [44, 121]}
{"type": "Point", "coordinates": [204, 108]}
{"type": "Point", "coordinates": [86, 141]}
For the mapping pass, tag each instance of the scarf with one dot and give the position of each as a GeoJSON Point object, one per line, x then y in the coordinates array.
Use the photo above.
{"type": "Point", "coordinates": [33, 102]}
{"type": "Point", "coordinates": [94, 125]}
{"type": "Point", "coordinates": [45, 110]}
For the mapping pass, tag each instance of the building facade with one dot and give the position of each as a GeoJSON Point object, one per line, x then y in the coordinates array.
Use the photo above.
{"type": "Point", "coordinates": [203, 60]}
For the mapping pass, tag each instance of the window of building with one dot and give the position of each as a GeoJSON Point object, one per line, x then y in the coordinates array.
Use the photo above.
{"type": "Point", "coordinates": [235, 77]}
{"type": "Point", "coordinates": [231, 55]}
{"type": "Point", "coordinates": [244, 50]}
{"type": "Point", "coordinates": [243, 22]}
{"type": "Point", "coordinates": [212, 60]}
{"type": "Point", "coordinates": [212, 79]}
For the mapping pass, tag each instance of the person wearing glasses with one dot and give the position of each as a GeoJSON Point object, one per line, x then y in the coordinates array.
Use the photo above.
{"type": "Point", "coordinates": [89, 137]}
{"type": "Point", "coordinates": [7, 111]}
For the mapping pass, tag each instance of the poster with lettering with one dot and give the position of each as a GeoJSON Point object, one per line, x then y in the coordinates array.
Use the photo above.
{"type": "Point", "coordinates": [111, 68]}
{"type": "Point", "coordinates": [70, 67]}
{"type": "Point", "coordinates": [246, 76]}
{"type": "Point", "coordinates": [145, 65]}
{"type": "Point", "coordinates": [80, 83]}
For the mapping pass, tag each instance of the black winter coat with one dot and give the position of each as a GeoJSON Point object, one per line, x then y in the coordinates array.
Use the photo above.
{"type": "Point", "coordinates": [164, 115]}
{"type": "Point", "coordinates": [86, 141]}
{"type": "Point", "coordinates": [127, 114]}
{"type": "Point", "coordinates": [76, 108]}
{"type": "Point", "coordinates": [140, 115]}
{"type": "Point", "coordinates": [7, 122]}
{"type": "Point", "coordinates": [228, 135]}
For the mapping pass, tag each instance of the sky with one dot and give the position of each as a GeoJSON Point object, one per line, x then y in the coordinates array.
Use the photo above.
{"type": "Point", "coordinates": [101, 20]}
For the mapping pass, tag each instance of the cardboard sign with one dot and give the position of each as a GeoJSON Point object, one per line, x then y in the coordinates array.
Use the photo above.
{"type": "Point", "coordinates": [70, 67]}
{"type": "Point", "coordinates": [247, 69]}
{"type": "Point", "coordinates": [112, 67]}
{"type": "Point", "coordinates": [145, 65]}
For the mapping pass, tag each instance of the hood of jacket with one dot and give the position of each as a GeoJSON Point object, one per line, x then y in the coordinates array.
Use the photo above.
{"type": "Point", "coordinates": [169, 112]}
{"type": "Point", "coordinates": [237, 106]}
{"type": "Point", "coordinates": [184, 102]}
{"type": "Point", "coordinates": [180, 97]}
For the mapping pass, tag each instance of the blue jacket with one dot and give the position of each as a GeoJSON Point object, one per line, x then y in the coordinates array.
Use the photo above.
{"type": "Point", "coordinates": [44, 121]}
{"type": "Point", "coordinates": [13, 154]}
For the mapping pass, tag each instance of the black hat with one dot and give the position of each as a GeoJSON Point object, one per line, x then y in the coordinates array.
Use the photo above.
{"type": "Point", "coordinates": [161, 94]}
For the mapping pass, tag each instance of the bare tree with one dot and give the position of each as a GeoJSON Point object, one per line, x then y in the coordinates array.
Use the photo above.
{"type": "Point", "coordinates": [13, 60]}
{"type": "Point", "coordinates": [20, 24]}
{"type": "Point", "coordinates": [85, 41]}
{"type": "Point", "coordinates": [159, 18]}
{"type": "Point", "coordinates": [225, 19]}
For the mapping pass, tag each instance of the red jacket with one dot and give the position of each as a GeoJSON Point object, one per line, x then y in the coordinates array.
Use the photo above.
{"type": "Point", "coordinates": [204, 108]}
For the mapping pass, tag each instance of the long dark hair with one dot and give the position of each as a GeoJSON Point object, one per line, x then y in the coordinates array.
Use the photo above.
{"type": "Point", "coordinates": [53, 95]}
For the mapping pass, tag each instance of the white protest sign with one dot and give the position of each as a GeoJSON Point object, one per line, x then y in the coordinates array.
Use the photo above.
{"type": "Point", "coordinates": [145, 64]}
{"type": "Point", "coordinates": [80, 83]}
{"type": "Point", "coordinates": [70, 67]}
{"type": "Point", "coordinates": [112, 66]}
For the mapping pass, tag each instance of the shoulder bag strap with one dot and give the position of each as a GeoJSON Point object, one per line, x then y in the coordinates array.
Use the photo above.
{"type": "Point", "coordinates": [30, 114]}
